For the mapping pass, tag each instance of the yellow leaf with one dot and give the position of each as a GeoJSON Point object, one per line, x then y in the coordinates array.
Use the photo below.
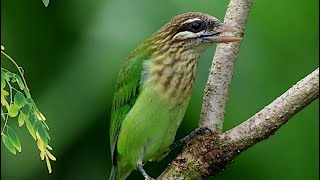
{"type": "Point", "coordinates": [49, 147]}
{"type": "Point", "coordinates": [2, 47]}
{"type": "Point", "coordinates": [51, 156]}
{"type": "Point", "coordinates": [48, 165]}
{"type": "Point", "coordinates": [42, 155]}
{"type": "Point", "coordinates": [37, 135]}
{"type": "Point", "coordinates": [41, 146]}
{"type": "Point", "coordinates": [21, 118]}
{"type": "Point", "coordinates": [13, 110]}
{"type": "Point", "coordinates": [42, 116]}
{"type": "Point", "coordinates": [38, 114]}
{"type": "Point", "coordinates": [4, 92]}
{"type": "Point", "coordinates": [4, 102]}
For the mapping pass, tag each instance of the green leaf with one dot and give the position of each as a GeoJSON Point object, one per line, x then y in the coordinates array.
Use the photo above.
{"type": "Point", "coordinates": [26, 109]}
{"type": "Point", "coordinates": [21, 119]}
{"type": "Point", "coordinates": [13, 79]}
{"type": "Point", "coordinates": [30, 100]}
{"type": "Point", "coordinates": [13, 111]}
{"type": "Point", "coordinates": [8, 144]}
{"type": "Point", "coordinates": [42, 134]}
{"type": "Point", "coordinates": [19, 100]}
{"type": "Point", "coordinates": [30, 128]}
{"type": "Point", "coordinates": [20, 82]}
{"type": "Point", "coordinates": [3, 82]}
{"type": "Point", "coordinates": [14, 138]}
{"type": "Point", "coordinates": [2, 114]}
{"type": "Point", "coordinates": [9, 75]}
{"type": "Point", "coordinates": [48, 136]}
{"type": "Point", "coordinates": [4, 75]}
{"type": "Point", "coordinates": [34, 123]}
{"type": "Point", "coordinates": [45, 2]}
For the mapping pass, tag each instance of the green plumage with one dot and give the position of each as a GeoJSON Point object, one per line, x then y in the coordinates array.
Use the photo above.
{"type": "Point", "coordinates": [153, 90]}
{"type": "Point", "coordinates": [144, 118]}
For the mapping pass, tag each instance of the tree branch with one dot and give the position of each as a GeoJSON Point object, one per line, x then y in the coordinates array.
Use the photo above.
{"type": "Point", "coordinates": [206, 155]}
{"type": "Point", "coordinates": [219, 80]}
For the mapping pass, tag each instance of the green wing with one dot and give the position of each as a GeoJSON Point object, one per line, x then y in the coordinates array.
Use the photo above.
{"type": "Point", "coordinates": [127, 90]}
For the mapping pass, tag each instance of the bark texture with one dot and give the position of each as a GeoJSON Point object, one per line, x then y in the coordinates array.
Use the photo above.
{"type": "Point", "coordinates": [219, 80]}
{"type": "Point", "coordinates": [208, 154]}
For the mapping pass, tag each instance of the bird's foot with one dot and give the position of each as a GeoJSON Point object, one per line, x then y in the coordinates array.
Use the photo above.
{"type": "Point", "coordinates": [188, 138]}
{"type": "Point", "coordinates": [144, 173]}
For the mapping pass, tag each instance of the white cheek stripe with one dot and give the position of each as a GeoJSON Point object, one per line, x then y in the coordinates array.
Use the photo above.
{"type": "Point", "coordinates": [191, 20]}
{"type": "Point", "coordinates": [187, 35]}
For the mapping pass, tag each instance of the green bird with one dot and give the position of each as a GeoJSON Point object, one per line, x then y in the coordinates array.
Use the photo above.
{"type": "Point", "coordinates": [154, 87]}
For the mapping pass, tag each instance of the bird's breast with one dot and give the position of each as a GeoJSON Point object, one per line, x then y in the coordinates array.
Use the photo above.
{"type": "Point", "coordinates": [171, 77]}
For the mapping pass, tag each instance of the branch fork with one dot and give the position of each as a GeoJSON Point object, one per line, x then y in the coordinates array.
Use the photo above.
{"type": "Point", "coordinates": [208, 154]}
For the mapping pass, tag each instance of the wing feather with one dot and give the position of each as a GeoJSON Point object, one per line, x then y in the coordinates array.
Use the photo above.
{"type": "Point", "coordinates": [127, 90]}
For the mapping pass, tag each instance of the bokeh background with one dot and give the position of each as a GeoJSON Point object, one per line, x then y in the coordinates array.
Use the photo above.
{"type": "Point", "coordinates": [72, 51]}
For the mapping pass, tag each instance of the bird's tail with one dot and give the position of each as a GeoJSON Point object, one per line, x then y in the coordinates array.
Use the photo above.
{"type": "Point", "coordinates": [114, 173]}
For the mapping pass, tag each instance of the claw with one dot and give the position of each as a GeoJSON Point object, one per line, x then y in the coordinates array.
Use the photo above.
{"type": "Point", "coordinates": [202, 130]}
{"type": "Point", "coordinates": [188, 138]}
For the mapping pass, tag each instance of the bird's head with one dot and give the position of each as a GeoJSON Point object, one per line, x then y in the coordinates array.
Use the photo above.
{"type": "Point", "coordinates": [193, 30]}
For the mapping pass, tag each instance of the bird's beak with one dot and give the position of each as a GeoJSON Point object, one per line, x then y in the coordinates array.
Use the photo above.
{"type": "Point", "coordinates": [215, 38]}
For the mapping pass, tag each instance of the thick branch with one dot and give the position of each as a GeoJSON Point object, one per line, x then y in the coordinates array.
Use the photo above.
{"type": "Point", "coordinates": [219, 80]}
{"type": "Point", "coordinates": [206, 155]}
{"type": "Point", "coordinates": [272, 117]}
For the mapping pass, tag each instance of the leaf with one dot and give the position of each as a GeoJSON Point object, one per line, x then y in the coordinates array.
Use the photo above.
{"type": "Point", "coordinates": [9, 75]}
{"type": "Point", "coordinates": [13, 79]}
{"type": "Point", "coordinates": [3, 81]}
{"type": "Point", "coordinates": [42, 155]}
{"type": "Point", "coordinates": [42, 134]}
{"type": "Point", "coordinates": [20, 82]}
{"type": "Point", "coordinates": [4, 102]}
{"type": "Point", "coordinates": [51, 156]}
{"type": "Point", "coordinates": [21, 119]}
{"type": "Point", "coordinates": [34, 123]}
{"type": "Point", "coordinates": [13, 110]}
{"type": "Point", "coordinates": [48, 136]}
{"type": "Point", "coordinates": [26, 109]}
{"type": "Point", "coordinates": [14, 138]}
{"type": "Point", "coordinates": [4, 75]}
{"type": "Point", "coordinates": [45, 2]}
{"type": "Point", "coordinates": [8, 144]}
{"type": "Point", "coordinates": [2, 114]}
{"type": "Point", "coordinates": [49, 147]}
{"type": "Point", "coordinates": [40, 145]}
{"type": "Point", "coordinates": [19, 100]}
{"type": "Point", "coordinates": [30, 128]}
{"type": "Point", "coordinates": [48, 165]}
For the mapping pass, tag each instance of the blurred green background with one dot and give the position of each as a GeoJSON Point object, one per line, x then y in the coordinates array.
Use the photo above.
{"type": "Point", "coordinates": [72, 51]}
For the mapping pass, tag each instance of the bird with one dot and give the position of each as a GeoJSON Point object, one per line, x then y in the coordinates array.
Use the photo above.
{"type": "Point", "coordinates": [153, 89]}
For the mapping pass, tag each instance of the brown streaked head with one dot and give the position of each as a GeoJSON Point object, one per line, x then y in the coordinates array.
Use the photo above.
{"type": "Point", "coordinates": [193, 30]}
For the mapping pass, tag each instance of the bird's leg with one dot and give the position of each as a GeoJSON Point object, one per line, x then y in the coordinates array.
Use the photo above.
{"type": "Point", "coordinates": [143, 172]}
{"type": "Point", "coordinates": [189, 137]}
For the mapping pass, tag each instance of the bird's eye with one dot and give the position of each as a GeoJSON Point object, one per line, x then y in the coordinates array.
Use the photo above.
{"type": "Point", "coordinates": [196, 26]}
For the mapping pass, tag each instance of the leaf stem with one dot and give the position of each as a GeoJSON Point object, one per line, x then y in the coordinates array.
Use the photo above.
{"type": "Point", "coordinates": [7, 116]}
{"type": "Point", "coordinates": [21, 73]}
